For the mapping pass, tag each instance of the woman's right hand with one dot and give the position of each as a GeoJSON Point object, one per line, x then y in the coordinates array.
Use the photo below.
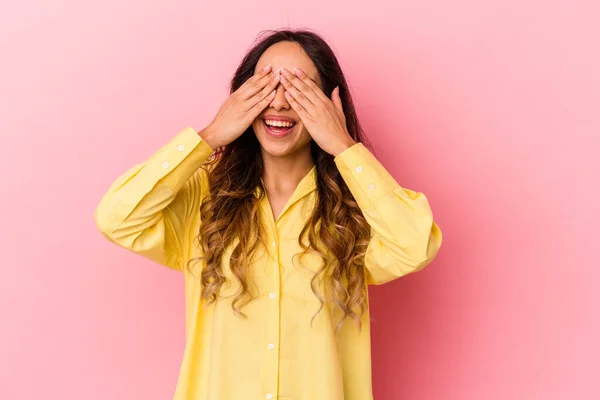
{"type": "Point", "coordinates": [241, 108]}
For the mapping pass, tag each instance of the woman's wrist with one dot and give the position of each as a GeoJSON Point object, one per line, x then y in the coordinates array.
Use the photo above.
{"type": "Point", "coordinates": [343, 146]}
{"type": "Point", "coordinates": [209, 136]}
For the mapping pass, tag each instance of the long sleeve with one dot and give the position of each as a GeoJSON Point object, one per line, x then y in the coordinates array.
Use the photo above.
{"type": "Point", "coordinates": [404, 236]}
{"type": "Point", "coordinates": [147, 209]}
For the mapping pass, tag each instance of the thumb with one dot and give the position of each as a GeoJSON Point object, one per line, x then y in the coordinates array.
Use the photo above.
{"type": "Point", "coordinates": [335, 97]}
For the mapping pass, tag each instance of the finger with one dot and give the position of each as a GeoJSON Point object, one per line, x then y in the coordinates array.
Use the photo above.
{"type": "Point", "coordinates": [261, 105]}
{"type": "Point", "coordinates": [300, 85]}
{"type": "Point", "coordinates": [337, 100]}
{"type": "Point", "coordinates": [264, 92]}
{"type": "Point", "coordinates": [255, 84]}
{"type": "Point", "coordinates": [263, 71]}
{"type": "Point", "coordinates": [300, 110]}
{"type": "Point", "coordinates": [310, 83]}
{"type": "Point", "coordinates": [298, 96]}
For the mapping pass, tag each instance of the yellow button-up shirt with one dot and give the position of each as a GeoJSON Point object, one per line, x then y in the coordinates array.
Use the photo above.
{"type": "Point", "coordinates": [153, 210]}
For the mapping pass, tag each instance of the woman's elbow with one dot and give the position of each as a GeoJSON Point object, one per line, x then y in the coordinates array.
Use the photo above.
{"type": "Point", "coordinates": [389, 265]}
{"type": "Point", "coordinates": [434, 243]}
{"type": "Point", "coordinates": [105, 220]}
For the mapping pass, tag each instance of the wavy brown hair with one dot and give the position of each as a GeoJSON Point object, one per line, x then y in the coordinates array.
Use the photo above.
{"type": "Point", "coordinates": [337, 230]}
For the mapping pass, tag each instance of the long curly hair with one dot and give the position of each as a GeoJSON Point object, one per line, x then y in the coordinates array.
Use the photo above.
{"type": "Point", "coordinates": [337, 230]}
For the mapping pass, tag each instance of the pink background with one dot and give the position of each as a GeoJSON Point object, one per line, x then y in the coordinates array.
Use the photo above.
{"type": "Point", "coordinates": [489, 107]}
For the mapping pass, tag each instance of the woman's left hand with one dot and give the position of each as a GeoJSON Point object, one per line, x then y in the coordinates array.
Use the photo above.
{"type": "Point", "coordinates": [323, 118]}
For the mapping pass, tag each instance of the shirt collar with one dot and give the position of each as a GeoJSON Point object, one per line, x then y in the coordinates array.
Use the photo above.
{"type": "Point", "coordinates": [306, 185]}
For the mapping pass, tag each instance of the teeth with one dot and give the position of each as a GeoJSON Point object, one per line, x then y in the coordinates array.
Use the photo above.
{"type": "Point", "coordinates": [279, 123]}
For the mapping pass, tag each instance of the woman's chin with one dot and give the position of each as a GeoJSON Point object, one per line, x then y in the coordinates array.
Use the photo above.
{"type": "Point", "coordinates": [277, 149]}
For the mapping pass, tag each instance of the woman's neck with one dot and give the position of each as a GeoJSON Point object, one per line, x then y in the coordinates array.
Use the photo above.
{"type": "Point", "coordinates": [281, 175]}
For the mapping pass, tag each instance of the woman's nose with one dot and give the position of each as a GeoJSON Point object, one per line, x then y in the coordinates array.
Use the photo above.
{"type": "Point", "coordinates": [280, 102]}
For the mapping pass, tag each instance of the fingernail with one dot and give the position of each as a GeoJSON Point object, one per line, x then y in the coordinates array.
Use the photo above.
{"type": "Point", "coordinates": [283, 80]}
{"type": "Point", "coordinates": [298, 72]}
{"type": "Point", "coordinates": [285, 71]}
{"type": "Point", "coordinates": [267, 67]}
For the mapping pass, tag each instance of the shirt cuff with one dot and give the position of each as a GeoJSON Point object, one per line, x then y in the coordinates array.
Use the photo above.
{"type": "Point", "coordinates": [366, 177]}
{"type": "Point", "coordinates": [184, 153]}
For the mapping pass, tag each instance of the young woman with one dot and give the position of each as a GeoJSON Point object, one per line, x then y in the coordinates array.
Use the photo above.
{"type": "Point", "coordinates": [278, 217]}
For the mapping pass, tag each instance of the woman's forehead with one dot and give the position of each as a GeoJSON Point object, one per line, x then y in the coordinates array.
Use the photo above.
{"type": "Point", "coordinates": [289, 55]}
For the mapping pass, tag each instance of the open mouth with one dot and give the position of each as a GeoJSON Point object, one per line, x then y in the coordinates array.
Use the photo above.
{"type": "Point", "coordinates": [278, 128]}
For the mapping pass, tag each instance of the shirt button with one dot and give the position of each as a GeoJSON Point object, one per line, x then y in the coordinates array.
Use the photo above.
{"type": "Point", "coordinates": [371, 186]}
{"type": "Point", "coordinates": [272, 295]}
{"type": "Point", "coordinates": [180, 147]}
{"type": "Point", "coordinates": [269, 396]}
{"type": "Point", "coordinates": [270, 346]}
{"type": "Point", "coordinates": [359, 169]}
{"type": "Point", "coordinates": [166, 165]}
